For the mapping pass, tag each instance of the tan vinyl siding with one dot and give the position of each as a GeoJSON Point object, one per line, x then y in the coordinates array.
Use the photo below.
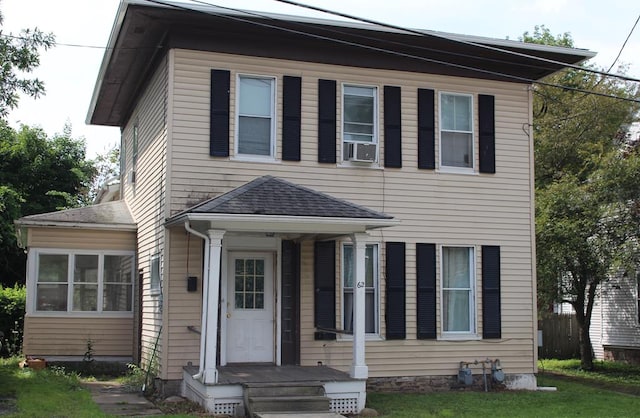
{"type": "Point", "coordinates": [68, 238]}
{"type": "Point", "coordinates": [146, 199]}
{"type": "Point", "coordinates": [69, 336]}
{"type": "Point", "coordinates": [432, 206]}
{"type": "Point", "coordinates": [184, 308]}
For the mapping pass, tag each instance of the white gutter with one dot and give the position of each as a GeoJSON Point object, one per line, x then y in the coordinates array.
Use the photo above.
{"type": "Point", "coordinates": [205, 304]}
{"type": "Point", "coordinates": [82, 225]}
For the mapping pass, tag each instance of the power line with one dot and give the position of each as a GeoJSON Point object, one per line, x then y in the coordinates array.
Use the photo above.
{"type": "Point", "coordinates": [22, 38]}
{"type": "Point", "coordinates": [624, 44]}
{"type": "Point", "coordinates": [475, 44]}
{"type": "Point", "coordinates": [377, 49]}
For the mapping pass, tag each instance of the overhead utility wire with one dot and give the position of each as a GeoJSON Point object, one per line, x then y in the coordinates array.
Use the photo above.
{"type": "Point", "coordinates": [624, 44]}
{"type": "Point", "coordinates": [421, 33]}
{"type": "Point", "coordinates": [377, 49]}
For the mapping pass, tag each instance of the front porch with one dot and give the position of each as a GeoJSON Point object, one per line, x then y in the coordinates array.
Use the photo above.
{"type": "Point", "coordinates": [346, 394]}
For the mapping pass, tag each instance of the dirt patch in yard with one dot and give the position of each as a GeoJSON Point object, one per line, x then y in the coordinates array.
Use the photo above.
{"type": "Point", "coordinates": [613, 387]}
{"type": "Point", "coordinates": [8, 405]}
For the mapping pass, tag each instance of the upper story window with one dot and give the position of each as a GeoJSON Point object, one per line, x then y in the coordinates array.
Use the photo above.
{"type": "Point", "coordinates": [155, 281]}
{"type": "Point", "coordinates": [82, 281]}
{"type": "Point", "coordinates": [456, 131]}
{"type": "Point", "coordinates": [371, 288]}
{"type": "Point", "coordinates": [359, 122]}
{"type": "Point", "coordinates": [458, 288]}
{"type": "Point", "coordinates": [255, 122]}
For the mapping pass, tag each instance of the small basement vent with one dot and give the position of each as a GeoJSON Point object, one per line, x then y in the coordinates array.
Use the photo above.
{"type": "Point", "coordinates": [227, 408]}
{"type": "Point", "coordinates": [344, 405]}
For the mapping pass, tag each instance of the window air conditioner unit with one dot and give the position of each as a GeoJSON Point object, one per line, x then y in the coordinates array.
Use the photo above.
{"type": "Point", "coordinates": [360, 152]}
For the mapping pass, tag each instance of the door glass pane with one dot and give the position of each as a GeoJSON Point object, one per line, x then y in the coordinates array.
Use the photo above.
{"type": "Point", "coordinates": [249, 283]}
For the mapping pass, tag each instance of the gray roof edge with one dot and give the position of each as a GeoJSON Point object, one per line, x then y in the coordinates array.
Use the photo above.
{"type": "Point", "coordinates": [580, 52]}
{"type": "Point", "coordinates": [113, 37]}
{"type": "Point", "coordinates": [53, 217]}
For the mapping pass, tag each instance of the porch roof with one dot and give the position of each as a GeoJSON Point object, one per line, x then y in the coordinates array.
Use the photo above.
{"type": "Point", "coordinates": [110, 215]}
{"type": "Point", "coordinates": [275, 205]}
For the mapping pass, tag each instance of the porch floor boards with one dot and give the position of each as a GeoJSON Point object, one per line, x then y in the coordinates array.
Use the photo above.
{"type": "Point", "coordinates": [269, 373]}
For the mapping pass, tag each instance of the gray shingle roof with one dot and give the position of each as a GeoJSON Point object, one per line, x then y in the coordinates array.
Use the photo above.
{"type": "Point", "coordinates": [111, 213]}
{"type": "Point", "coordinates": [269, 195]}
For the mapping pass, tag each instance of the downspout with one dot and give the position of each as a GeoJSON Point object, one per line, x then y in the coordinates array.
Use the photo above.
{"type": "Point", "coordinates": [205, 295]}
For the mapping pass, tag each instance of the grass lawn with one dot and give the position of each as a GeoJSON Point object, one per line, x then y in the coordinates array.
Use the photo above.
{"type": "Point", "coordinates": [53, 393]}
{"type": "Point", "coordinates": [579, 394]}
{"type": "Point", "coordinates": [45, 393]}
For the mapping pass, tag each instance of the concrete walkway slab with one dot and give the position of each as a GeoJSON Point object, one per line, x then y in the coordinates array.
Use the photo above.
{"type": "Point", "coordinates": [114, 399]}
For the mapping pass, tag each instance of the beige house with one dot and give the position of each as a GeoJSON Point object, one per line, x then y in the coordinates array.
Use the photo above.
{"type": "Point", "coordinates": [301, 199]}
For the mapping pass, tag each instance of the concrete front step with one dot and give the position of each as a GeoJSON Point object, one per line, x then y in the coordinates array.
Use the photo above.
{"type": "Point", "coordinates": [288, 403]}
{"type": "Point", "coordinates": [294, 397]}
{"type": "Point", "coordinates": [289, 389]}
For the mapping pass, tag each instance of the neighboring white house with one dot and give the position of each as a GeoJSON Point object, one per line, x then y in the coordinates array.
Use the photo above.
{"type": "Point", "coordinates": [615, 321]}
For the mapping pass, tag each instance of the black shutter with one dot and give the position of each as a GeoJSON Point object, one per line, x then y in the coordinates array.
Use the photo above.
{"type": "Point", "coordinates": [326, 121]}
{"type": "Point", "coordinates": [426, 129]}
{"type": "Point", "coordinates": [291, 111]}
{"type": "Point", "coordinates": [491, 322]}
{"type": "Point", "coordinates": [290, 330]}
{"type": "Point", "coordinates": [324, 267]}
{"type": "Point", "coordinates": [487, 128]}
{"type": "Point", "coordinates": [219, 114]}
{"type": "Point", "coordinates": [395, 303]}
{"type": "Point", "coordinates": [392, 127]}
{"type": "Point", "coordinates": [426, 297]}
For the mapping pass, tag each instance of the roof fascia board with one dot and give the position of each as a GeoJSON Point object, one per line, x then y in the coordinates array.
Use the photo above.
{"type": "Point", "coordinates": [75, 225]}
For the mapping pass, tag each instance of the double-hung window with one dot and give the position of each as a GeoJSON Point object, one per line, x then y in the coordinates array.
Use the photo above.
{"type": "Point", "coordinates": [371, 288]}
{"type": "Point", "coordinates": [255, 121]}
{"type": "Point", "coordinates": [456, 131]}
{"type": "Point", "coordinates": [82, 281]}
{"type": "Point", "coordinates": [359, 133]}
{"type": "Point", "coordinates": [458, 286]}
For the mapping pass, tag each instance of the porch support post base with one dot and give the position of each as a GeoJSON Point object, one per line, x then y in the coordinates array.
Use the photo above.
{"type": "Point", "coordinates": [210, 376]}
{"type": "Point", "coordinates": [359, 372]}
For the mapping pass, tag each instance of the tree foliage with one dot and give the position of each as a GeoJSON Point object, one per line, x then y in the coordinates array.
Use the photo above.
{"type": "Point", "coordinates": [586, 195]}
{"type": "Point", "coordinates": [37, 175]}
{"type": "Point", "coordinates": [19, 55]}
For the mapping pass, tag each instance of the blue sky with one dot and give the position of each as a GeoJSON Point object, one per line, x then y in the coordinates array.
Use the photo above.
{"type": "Point", "coordinates": [69, 72]}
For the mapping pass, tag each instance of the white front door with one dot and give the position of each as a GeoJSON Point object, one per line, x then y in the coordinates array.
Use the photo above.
{"type": "Point", "coordinates": [250, 315]}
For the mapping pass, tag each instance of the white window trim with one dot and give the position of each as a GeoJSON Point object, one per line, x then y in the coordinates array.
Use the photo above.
{"type": "Point", "coordinates": [376, 130]}
{"type": "Point", "coordinates": [32, 283]}
{"type": "Point", "coordinates": [473, 306]}
{"type": "Point", "coordinates": [450, 169]}
{"type": "Point", "coordinates": [251, 157]}
{"type": "Point", "coordinates": [373, 336]}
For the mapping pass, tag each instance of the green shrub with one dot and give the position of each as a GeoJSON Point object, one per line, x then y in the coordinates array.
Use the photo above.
{"type": "Point", "coordinates": [12, 306]}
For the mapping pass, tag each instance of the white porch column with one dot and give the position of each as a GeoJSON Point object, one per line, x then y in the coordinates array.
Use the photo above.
{"type": "Point", "coordinates": [213, 299]}
{"type": "Point", "coordinates": [359, 369]}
